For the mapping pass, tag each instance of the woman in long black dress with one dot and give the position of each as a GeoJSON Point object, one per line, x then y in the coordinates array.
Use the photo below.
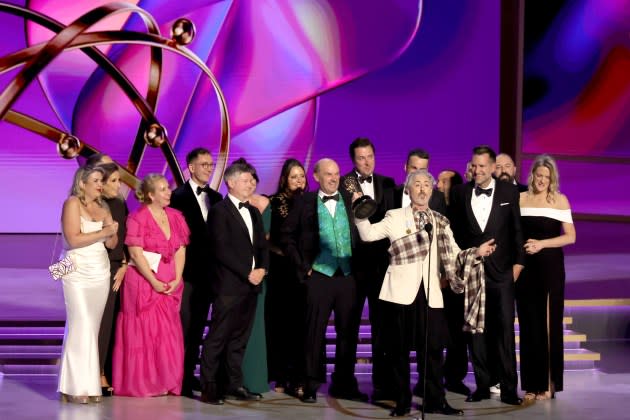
{"type": "Point", "coordinates": [285, 297]}
{"type": "Point", "coordinates": [547, 226]}
{"type": "Point", "coordinates": [118, 267]}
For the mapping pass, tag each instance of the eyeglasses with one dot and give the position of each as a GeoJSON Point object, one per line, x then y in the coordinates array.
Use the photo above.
{"type": "Point", "coordinates": [207, 165]}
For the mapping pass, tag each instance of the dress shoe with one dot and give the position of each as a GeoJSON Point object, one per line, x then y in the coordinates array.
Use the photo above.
{"type": "Point", "coordinates": [107, 391]}
{"type": "Point", "coordinates": [400, 411]}
{"type": "Point", "coordinates": [511, 400]}
{"type": "Point", "coordinates": [458, 388]}
{"type": "Point", "coordinates": [210, 395]}
{"type": "Point", "coordinates": [352, 395]}
{"type": "Point", "coordinates": [75, 399]}
{"type": "Point", "coordinates": [309, 397]}
{"type": "Point", "coordinates": [243, 394]}
{"type": "Point", "coordinates": [444, 409]}
{"type": "Point", "coordinates": [478, 396]}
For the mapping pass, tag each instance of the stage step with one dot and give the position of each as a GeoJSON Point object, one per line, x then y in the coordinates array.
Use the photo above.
{"type": "Point", "coordinates": [34, 347]}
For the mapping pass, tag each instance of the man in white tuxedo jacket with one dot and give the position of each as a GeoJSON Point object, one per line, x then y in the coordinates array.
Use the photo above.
{"type": "Point", "coordinates": [422, 245]}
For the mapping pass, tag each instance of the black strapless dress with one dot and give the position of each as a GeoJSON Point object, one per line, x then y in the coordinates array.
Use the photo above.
{"type": "Point", "coordinates": [540, 304]}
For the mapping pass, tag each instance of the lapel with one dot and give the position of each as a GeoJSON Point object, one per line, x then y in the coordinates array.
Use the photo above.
{"type": "Point", "coordinates": [494, 208]}
{"type": "Point", "coordinates": [378, 187]}
{"type": "Point", "coordinates": [468, 191]}
{"type": "Point", "coordinates": [239, 219]}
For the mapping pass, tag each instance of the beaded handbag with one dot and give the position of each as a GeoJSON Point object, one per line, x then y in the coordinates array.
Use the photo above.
{"type": "Point", "coordinates": [62, 267]}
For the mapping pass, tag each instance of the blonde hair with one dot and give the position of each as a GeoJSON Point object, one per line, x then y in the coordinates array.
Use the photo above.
{"type": "Point", "coordinates": [548, 162]}
{"type": "Point", "coordinates": [81, 176]}
{"type": "Point", "coordinates": [148, 186]}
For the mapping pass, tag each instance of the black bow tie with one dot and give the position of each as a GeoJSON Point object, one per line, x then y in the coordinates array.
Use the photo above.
{"type": "Point", "coordinates": [205, 189]}
{"type": "Point", "coordinates": [479, 191]}
{"type": "Point", "coordinates": [244, 204]}
{"type": "Point", "coordinates": [330, 197]}
{"type": "Point", "coordinates": [367, 179]}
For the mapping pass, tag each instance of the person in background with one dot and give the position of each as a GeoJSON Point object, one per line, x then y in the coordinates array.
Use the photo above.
{"type": "Point", "coordinates": [285, 304]}
{"type": "Point", "coordinates": [506, 171]}
{"type": "Point", "coordinates": [88, 228]}
{"type": "Point", "coordinates": [239, 261]}
{"type": "Point", "coordinates": [319, 236]}
{"type": "Point", "coordinates": [149, 347]}
{"type": "Point", "coordinates": [446, 180]}
{"type": "Point", "coordinates": [371, 259]}
{"type": "Point", "coordinates": [118, 258]}
{"type": "Point", "coordinates": [255, 372]}
{"type": "Point", "coordinates": [547, 228]}
{"type": "Point", "coordinates": [194, 199]}
{"type": "Point", "coordinates": [418, 159]}
{"type": "Point", "coordinates": [479, 211]}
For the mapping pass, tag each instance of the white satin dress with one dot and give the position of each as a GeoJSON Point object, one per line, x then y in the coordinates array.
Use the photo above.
{"type": "Point", "coordinates": [85, 293]}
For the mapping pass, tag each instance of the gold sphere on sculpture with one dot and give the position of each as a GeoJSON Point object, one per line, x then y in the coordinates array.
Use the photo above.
{"type": "Point", "coordinates": [155, 135]}
{"type": "Point", "coordinates": [69, 147]}
{"type": "Point", "coordinates": [183, 31]}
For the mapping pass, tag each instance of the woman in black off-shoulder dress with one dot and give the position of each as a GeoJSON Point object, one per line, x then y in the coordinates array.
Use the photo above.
{"type": "Point", "coordinates": [547, 227]}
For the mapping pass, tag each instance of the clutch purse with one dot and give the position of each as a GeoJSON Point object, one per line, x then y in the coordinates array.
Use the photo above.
{"type": "Point", "coordinates": [62, 267]}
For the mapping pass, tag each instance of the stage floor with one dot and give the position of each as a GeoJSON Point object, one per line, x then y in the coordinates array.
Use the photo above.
{"type": "Point", "coordinates": [588, 395]}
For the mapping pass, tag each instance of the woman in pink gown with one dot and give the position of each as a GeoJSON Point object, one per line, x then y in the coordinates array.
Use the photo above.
{"type": "Point", "coordinates": [149, 348]}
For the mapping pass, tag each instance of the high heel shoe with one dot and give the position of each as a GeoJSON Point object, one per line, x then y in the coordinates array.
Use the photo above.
{"type": "Point", "coordinates": [75, 399]}
{"type": "Point", "coordinates": [547, 395]}
{"type": "Point", "coordinates": [107, 391]}
{"type": "Point", "coordinates": [529, 396]}
{"type": "Point", "coordinates": [96, 399]}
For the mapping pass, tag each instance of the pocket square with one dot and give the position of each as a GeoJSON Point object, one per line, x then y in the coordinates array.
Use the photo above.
{"type": "Point", "coordinates": [504, 204]}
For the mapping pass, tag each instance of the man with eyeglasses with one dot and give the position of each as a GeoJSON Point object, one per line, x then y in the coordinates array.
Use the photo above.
{"type": "Point", "coordinates": [194, 199]}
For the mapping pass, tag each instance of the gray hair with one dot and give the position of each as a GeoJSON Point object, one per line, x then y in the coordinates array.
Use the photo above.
{"type": "Point", "coordinates": [419, 172]}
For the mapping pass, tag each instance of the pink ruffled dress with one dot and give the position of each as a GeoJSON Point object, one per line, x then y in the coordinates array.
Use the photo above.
{"type": "Point", "coordinates": [149, 347]}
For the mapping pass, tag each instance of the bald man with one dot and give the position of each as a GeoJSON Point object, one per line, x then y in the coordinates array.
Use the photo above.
{"type": "Point", "coordinates": [319, 237]}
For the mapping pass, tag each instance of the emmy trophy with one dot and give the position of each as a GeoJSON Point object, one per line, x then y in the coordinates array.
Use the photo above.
{"type": "Point", "coordinates": [364, 206]}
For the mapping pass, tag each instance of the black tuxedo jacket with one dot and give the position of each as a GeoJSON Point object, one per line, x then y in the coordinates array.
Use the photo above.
{"type": "Point", "coordinates": [184, 199]}
{"type": "Point", "coordinates": [232, 250]}
{"type": "Point", "coordinates": [299, 234]}
{"type": "Point", "coordinates": [504, 226]}
{"type": "Point", "coordinates": [437, 201]}
{"type": "Point", "coordinates": [383, 191]}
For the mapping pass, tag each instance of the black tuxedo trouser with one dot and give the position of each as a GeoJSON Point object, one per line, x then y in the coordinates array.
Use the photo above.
{"type": "Point", "coordinates": [224, 346]}
{"type": "Point", "coordinates": [456, 362]}
{"type": "Point", "coordinates": [323, 295]}
{"type": "Point", "coordinates": [196, 300]}
{"type": "Point", "coordinates": [406, 330]}
{"type": "Point", "coordinates": [369, 277]}
{"type": "Point", "coordinates": [493, 352]}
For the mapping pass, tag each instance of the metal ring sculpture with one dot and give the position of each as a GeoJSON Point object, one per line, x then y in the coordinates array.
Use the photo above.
{"type": "Point", "coordinates": [35, 58]}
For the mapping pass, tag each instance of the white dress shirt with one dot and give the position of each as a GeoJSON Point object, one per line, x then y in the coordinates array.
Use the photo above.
{"type": "Point", "coordinates": [247, 218]}
{"type": "Point", "coordinates": [482, 205]}
{"type": "Point", "coordinates": [202, 198]}
{"type": "Point", "coordinates": [367, 187]}
{"type": "Point", "coordinates": [331, 205]}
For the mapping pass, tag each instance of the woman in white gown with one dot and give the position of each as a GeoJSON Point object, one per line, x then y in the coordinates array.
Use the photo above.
{"type": "Point", "coordinates": [88, 228]}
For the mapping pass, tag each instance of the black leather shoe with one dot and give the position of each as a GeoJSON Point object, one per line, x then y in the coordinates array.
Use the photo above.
{"type": "Point", "coordinates": [187, 392]}
{"type": "Point", "coordinates": [478, 396]}
{"type": "Point", "coordinates": [400, 412]}
{"type": "Point", "coordinates": [211, 398]}
{"type": "Point", "coordinates": [243, 394]}
{"type": "Point", "coordinates": [444, 409]}
{"type": "Point", "coordinates": [511, 400]}
{"type": "Point", "coordinates": [309, 397]}
{"type": "Point", "coordinates": [458, 388]}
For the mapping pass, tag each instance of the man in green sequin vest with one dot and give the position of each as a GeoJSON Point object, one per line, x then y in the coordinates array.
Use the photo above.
{"type": "Point", "coordinates": [318, 236]}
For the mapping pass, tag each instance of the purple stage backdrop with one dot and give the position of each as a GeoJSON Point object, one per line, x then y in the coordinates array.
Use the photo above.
{"type": "Point", "coordinates": [301, 78]}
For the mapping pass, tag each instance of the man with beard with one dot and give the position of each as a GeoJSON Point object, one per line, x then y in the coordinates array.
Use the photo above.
{"type": "Point", "coordinates": [506, 171]}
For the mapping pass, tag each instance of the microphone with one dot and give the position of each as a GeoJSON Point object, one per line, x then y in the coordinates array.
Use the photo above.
{"type": "Point", "coordinates": [429, 228]}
